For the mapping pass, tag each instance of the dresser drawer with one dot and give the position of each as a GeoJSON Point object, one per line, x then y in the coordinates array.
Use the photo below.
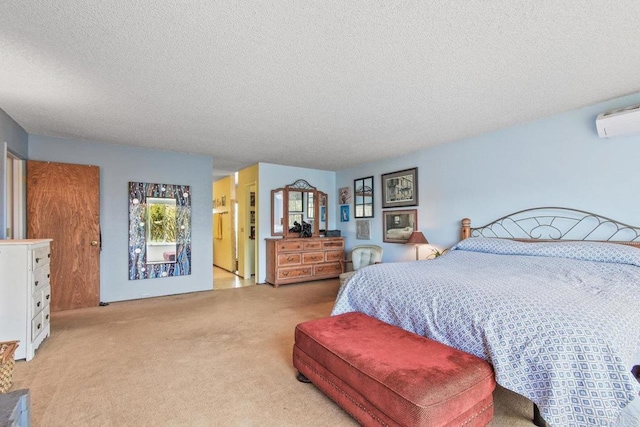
{"type": "Point", "coordinates": [312, 257]}
{"type": "Point", "coordinates": [37, 325]}
{"type": "Point", "coordinates": [46, 296]}
{"type": "Point", "coordinates": [289, 259]}
{"type": "Point", "coordinates": [41, 299]}
{"type": "Point", "coordinates": [312, 245]}
{"type": "Point", "coordinates": [37, 302]}
{"type": "Point", "coordinates": [292, 273]}
{"type": "Point", "coordinates": [41, 256]}
{"type": "Point", "coordinates": [334, 244]}
{"type": "Point", "coordinates": [41, 278]}
{"type": "Point", "coordinates": [46, 315]}
{"type": "Point", "coordinates": [334, 256]}
{"type": "Point", "coordinates": [289, 246]}
{"type": "Point", "coordinates": [333, 268]}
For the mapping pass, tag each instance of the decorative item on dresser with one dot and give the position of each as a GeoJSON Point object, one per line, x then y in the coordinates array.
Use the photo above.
{"type": "Point", "coordinates": [304, 259]}
{"type": "Point", "coordinates": [25, 293]}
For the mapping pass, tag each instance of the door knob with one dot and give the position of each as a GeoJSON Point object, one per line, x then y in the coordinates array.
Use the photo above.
{"type": "Point", "coordinates": [94, 243]}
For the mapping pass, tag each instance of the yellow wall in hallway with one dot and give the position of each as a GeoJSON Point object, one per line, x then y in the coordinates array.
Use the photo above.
{"type": "Point", "coordinates": [223, 238]}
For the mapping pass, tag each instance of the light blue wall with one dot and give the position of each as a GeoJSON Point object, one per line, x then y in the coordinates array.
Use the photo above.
{"type": "Point", "coordinates": [120, 164]}
{"type": "Point", "coordinates": [276, 176]}
{"type": "Point", "coordinates": [14, 139]}
{"type": "Point", "coordinates": [13, 134]}
{"type": "Point", "coordinates": [558, 161]}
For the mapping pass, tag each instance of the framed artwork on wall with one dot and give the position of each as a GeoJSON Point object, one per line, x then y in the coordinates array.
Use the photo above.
{"type": "Point", "coordinates": [400, 188]}
{"type": "Point", "coordinates": [397, 226]}
{"type": "Point", "coordinates": [344, 213]}
{"type": "Point", "coordinates": [363, 229]}
{"type": "Point", "coordinates": [344, 196]}
{"type": "Point", "coordinates": [363, 197]}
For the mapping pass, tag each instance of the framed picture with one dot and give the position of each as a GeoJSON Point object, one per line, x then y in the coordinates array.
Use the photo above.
{"type": "Point", "coordinates": [344, 213]}
{"type": "Point", "coordinates": [363, 229]}
{"type": "Point", "coordinates": [252, 232]}
{"type": "Point", "coordinates": [363, 197]}
{"type": "Point", "coordinates": [323, 213]}
{"type": "Point", "coordinates": [252, 217]}
{"type": "Point", "coordinates": [344, 196]}
{"type": "Point", "coordinates": [397, 226]}
{"type": "Point", "coordinates": [400, 188]}
{"type": "Point", "coordinates": [252, 199]}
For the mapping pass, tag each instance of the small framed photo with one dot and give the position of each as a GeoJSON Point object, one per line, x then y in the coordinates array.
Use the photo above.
{"type": "Point", "coordinates": [397, 226]}
{"type": "Point", "coordinates": [252, 217]}
{"type": "Point", "coordinates": [363, 229]}
{"type": "Point", "coordinates": [252, 232]}
{"type": "Point", "coordinates": [400, 188]}
{"type": "Point", "coordinates": [323, 213]}
{"type": "Point", "coordinates": [344, 196]}
{"type": "Point", "coordinates": [344, 213]}
{"type": "Point", "coordinates": [252, 199]}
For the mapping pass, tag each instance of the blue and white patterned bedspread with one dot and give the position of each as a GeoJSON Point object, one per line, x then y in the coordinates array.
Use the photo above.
{"type": "Point", "coordinates": [559, 322]}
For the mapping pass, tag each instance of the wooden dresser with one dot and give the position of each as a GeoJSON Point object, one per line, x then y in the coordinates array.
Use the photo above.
{"type": "Point", "coordinates": [302, 260]}
{"type": "Point", "coordinates": [25, 293]}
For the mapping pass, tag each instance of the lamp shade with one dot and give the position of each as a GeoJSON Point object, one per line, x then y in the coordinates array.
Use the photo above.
{"type": "Point", "coordinates": [417, 238]}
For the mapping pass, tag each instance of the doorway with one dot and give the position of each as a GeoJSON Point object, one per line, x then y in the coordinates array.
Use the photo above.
{"type": "Point", "coordinates": [15, 197]}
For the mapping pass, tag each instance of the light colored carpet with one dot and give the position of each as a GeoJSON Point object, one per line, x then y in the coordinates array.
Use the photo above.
{"type": "Point", "coordinates": [219, 358]}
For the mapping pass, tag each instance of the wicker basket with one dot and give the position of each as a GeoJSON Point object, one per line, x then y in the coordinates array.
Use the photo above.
{"type": "Point", "coordinates": [7, 349]}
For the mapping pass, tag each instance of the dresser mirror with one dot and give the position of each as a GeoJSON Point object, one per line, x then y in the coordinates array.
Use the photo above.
{"type": "Point", "coordinates": [298, 210]}
{"type": "Point", "coordinates": [159, 230]}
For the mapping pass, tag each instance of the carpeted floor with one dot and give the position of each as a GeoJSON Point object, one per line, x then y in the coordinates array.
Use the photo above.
{"type": "Point", "coordinates": [219, 358]}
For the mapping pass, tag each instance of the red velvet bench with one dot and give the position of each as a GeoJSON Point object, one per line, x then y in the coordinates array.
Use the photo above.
{"type": "Point", "coordinates": [383, 375]}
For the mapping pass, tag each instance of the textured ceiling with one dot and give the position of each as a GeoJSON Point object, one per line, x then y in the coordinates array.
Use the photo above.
{"type": "Point", "coordinates": [324, 84]}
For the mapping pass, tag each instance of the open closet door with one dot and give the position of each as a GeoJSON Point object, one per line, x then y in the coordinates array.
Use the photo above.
{"type": "Point", "coordinates": [63, 204]}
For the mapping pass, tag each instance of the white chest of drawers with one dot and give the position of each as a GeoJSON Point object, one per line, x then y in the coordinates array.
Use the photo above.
{"type": "Point", "coordinates": [25, 293]}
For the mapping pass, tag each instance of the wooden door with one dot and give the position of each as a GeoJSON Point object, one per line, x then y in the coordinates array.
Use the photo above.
{"type": "Point", "coordinates": [63, 203]}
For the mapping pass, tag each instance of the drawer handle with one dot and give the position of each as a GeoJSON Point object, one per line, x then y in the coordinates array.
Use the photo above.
{"type": "Point", "coordinates": [39, 325]}
{"type": "Point", "coordinates": [285, 273]}
{"type": "Point", "coordinates": [38, 304]}
{"type": "Point", "coordinates": [36, 283]}
{"type": "Point", "coordinates": [289, 258]}
{"type": "Point", "coordinates": [48, 275]}
{"type": "Point", "coordinates": [48, 296]}
{"type": "Point", "coordinates": [47, 317]}
{"type": "Point", "coordinates": [38, 260]}
{"type": "Point", "coordinates": [48, 255]}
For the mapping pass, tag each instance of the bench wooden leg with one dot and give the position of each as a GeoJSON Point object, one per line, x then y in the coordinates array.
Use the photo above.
{"type": "Point", "coordinates": [302, 378]}
{"type": "Point", "coordinates": [537, 418]}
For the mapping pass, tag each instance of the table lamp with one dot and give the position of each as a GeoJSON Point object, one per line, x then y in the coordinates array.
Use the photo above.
{"type": "Point", "coordinates": [417, 238]}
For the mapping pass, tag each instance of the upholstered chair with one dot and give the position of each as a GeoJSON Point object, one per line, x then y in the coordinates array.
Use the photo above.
{"type": "Point", "coordinates": [361, 256]}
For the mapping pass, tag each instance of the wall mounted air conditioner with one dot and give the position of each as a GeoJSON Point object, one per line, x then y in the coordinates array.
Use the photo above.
{"type": "Point", "coordinates": [620, 122]}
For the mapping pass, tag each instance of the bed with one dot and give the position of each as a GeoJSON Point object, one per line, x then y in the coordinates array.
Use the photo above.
{"type": "Point", "coordinates": [558, 319]}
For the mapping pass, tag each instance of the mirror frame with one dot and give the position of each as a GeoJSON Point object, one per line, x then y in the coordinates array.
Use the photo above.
{"type": "Point", "coordinates": [300, 185]}
{"type": "Point", "coordinates": [361, 189]}
{"type": "Point", "coordinates": [138, 267]}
